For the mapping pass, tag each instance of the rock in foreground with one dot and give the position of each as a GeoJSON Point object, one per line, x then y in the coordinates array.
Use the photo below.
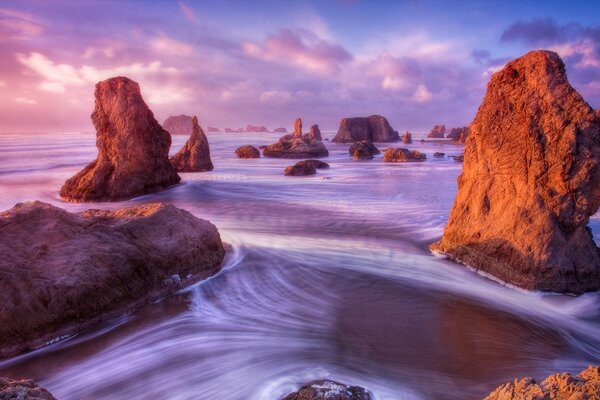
{"type": "Point", "coordinates": [194, 156]}
{"type": "Point", "coordinates": [25, 389]}
{"type": "Point", "coordinates": [178, 125]}
{"type": "Point", "coordinates": [62, 272]}
{"type": "Point", "coordinates": [247, 152]}
{"type": "Point", "coordinates": [329, 390]}
{"type": "Point", "coordinates": [585, 386]}
{"type": "Point", "coordinates": [133, 149]}
{"type": "Point", "coordinates": [530, 182]}
{"type": "Point", "coordinates": [403, 155]}
{"type": "Point", "coordinates": [365, 149]}
{"type": "Point", "coordinates": [374, 128]}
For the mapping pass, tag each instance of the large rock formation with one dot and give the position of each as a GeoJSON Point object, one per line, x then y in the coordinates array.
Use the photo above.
{"type": "Point", "coordinates": [315, 133]}
{"type": "Point", "coordinates": [62, 272]}
{"type": "Point", "coordinates": [133, 149]}
{"type": "Point", "coordinates": [252, 128]}
{"type": "Point", "coordinates": [247, 152]}
{"type": "Point", "coordinates": [178, 125]}
{"type": "Point", "coordinates": [365, 149]}
{"type": "Point", "coordinates": [329, 390]}
{"type": "Point", "coordinates": [374, 128]}
{"type": "Point", "coordinates": [530, 181]}
{"type": "Point", "coordinates": [437, 132]}
{"type": "Point", "coordinates": [194, 156]}
{"type": "Point", "coordinates": [25, 389]}
{"type": "Point", "coordinates": [585, 386]}
{"type": "Point", "coordinates": [458, 134]}
{"type": "Point", "coordinates": [296, 145]}
{"type": "Point", "coordinates": [403, 155]}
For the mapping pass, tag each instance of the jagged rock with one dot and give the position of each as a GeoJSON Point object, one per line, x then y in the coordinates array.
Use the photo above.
{"type": "Point", "coordinates": [530, 182]}
{"type": "Point", "coordinates": [25, 389]}
{"type": "Point", "coordinates": [315, 133]}
{"type": "Point", "coordinates": [178, 125]}
{"type": "Point", "coordinates": [62, 272]}
{"type": "Point", "coordinates": [403, 155]}
{"type": "Point", "coordinates": [329, 390]}
{"type": "Point", "coordinates": [211, 129]}
{"type": "Point", "coordinates": [280, 130]}
{"type": "Point", "coordinates": [133, 149]}
{"type": "Point", "coordinates": [585, 386]}
{"type": "Point", "coordinates": [229, 130]}
{"type": "Point", "coordinates": [194, 156]}
{"type": "Point", "coordinates": [407, 137]}
{"type": "Point", "coordinates": [374, 128]}
{"type": "Point", "coordinates": [458, 134]}
{"type": "Point", "coordinates": [251, 128]}
{"type": "Point", "coordinates": [437, 132]}
{"type": "Point", "coordinates": [297, 128]}
{"type": "Point", "coordinates": [300, 169]}
{"type": "Point", "coordinates": [437, 154]}
{"type": "Point", "coordinates": [247, 152]}
{"type": "Point", "coordinates": [365, 149]}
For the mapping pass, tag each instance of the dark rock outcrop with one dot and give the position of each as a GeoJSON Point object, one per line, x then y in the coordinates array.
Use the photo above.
{"type": "Point", "coordinates": [247, 152]}
{"type": "Point", "coordinates": [329, 390]}
{"type": "Point", "coordinates": [280, 130]}
{"type": "Point", "coordinates": [133, 149]}
{"type": "Point", "coordinates": [374, 128]}
{"type": "Point", "coordinates": [194, 156]}
{"type": "Point", "coordinates": [318, 164]}
{"type": "Point", "coordinates": [403, 155]}
{"type": "Point", "coordinates": [407, 137]}
{"type": "Point", "coordinates": [315, 133]}
{"type": "Point", "coordinates": [252, 128]}
{"type": "Point", "coordinates": [61, 272]}
{"type": "Point", "coordinates": [25, 389]}
{"type": "Point", "coordinates": [296, 145]}
{"type": "Point", "coordinates": [212, 130]}
{"type": "Point", "coordinates": [530, 182]}
{"type": "Point", "coordinates": [365, 149]}
{"type": "Point", "coordinates": [458, 134]}
{"type": "Point", "coordinates": [437, 132]}
{"type": "Point", "coordinates": [585, 386]}
{"type": "Point", "coordinates": [178, 125]}
{"type": "Point", "coordinates": [458, 158]}
{"type": "Point", "coordinates": [438, 154]}
{"type": "Point", "coordinates": [300, 169]}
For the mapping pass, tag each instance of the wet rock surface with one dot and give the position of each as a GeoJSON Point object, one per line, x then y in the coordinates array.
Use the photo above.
{"type": "Point", "coordinates": [247, 152]}
{"type": "Point", "coordinates": [365, 149]}
{"type": "Point", "coordinates": [25, 389]}
{"type": "Point", "coordinates": [403, 155]}
{"type": "Point", "coordinates": [329, 390]}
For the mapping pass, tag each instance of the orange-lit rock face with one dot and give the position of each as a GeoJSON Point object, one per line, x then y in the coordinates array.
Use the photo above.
{"type": "Point", "coordinates": [132, 148]}
{"type": "Point", "coordinates": [194, 156]}
{"type": "Point", "coordinates": [530, 182]}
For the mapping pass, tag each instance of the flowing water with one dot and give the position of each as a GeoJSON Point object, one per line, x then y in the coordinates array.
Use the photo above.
{"type": "Point", "coordinates": [327, 276]}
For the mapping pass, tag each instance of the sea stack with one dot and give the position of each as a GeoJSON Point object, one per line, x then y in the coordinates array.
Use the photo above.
{"type": "Point", "coordinates": [458, 134]}
{"type": "Point", "coordinates": [437, 132]}
{"type": "Point", "coordinates": [296, 145]}
{"type": "Point", "coordinates": [133, 149]}
{"type": "Point", "coordinates": [194, 156]}
{"type": "Point", "coordinates": [407, 137]}
{"type": "Point", "coordinates": [374, 128]}
{"type": "Point", "coordinates": [315, 133]}
{"type": "Point", "coordinates": [178, 125]}
{"type": "Point", "coordinates": [530, 182]}
{"type": "Point", "coordinates": [298, 128]}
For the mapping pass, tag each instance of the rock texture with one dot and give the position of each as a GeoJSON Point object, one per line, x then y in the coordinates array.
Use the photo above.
{"type": "Point", "coordinates": [585, 386]}
{"type": "Point", "coordinates": [365, 149]}
{"type": "Point", "coordinates": [300, 169]}
{"type": "Point", "coordinates": [458, 134]}
{"type": "Point", "coordinates": [252, 128]}
{"type": "Point", "coordinates": [25, 389]}
{"type": "Point", "coordinates": [194, 156]}
{"type": "Point", "coordinates": [247, 152]}
{"type": "Point", "coordinates": [374, 128]}
{"type": "Point", "coordinates": [329, 390]}
{"type": "Point", "coordinates": [280, 130]}
{"type": "Point", "coordinates": [297, 128]}
{"type": "Point", "coordinates": [178, 125]}
{"type": "Point", "coordinates": [437, 132]}
{"type": "Point", "coordinates": [403, 155]}
{"type": "Point", "coordinates": [530, 181]}
{"type": "Point", "coordinates": [407, 137]}
{"type": "Point", "coordinates": [133, 149]}
{"type": "Point", "coordinates": [62, 272]}
{"type": "Point", "coordinates": [315, 133]}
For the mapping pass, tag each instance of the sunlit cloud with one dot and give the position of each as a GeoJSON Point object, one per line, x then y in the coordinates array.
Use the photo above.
{"type": "Point", "coordinates": [24, 100]}
{"type": "Point", "coordinates": [188, 12]}
{"type": "Point", "coordinates": [18, 25]}
{"type": "Point", "coordinates": [54, 87]}
{"type": "Point", "coordinates": [422, 95]}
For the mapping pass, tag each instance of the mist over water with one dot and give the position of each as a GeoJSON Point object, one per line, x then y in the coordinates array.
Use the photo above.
{"type": "Point", "coordinates": [326, 276]}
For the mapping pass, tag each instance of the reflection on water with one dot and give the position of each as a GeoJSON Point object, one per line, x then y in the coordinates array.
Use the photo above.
{"type": "Point", "coordinates": [327, 277]}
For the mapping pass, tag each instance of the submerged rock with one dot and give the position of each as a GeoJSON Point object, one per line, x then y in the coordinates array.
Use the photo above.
{"type": "Point", "coordinates": [437, 154]}
{"type": "Point", "coordinates": [437, 132]}
{"type": "Point", "coordinates": [530, 182]}
{"type": "Point", "coordinates": [133, 149]}
{"type": "Point", "coordinates": [374, 128]}
{"type": "Point", "coordinates": [407, 137]}
{"type": "Point", "coordinates": [585, 386]}
{"type": "Point", "coordinates": [315, 133]}
{"type": "Point", "coordinates": [247, 152]}
{"type": "Point", "coordinates": [458, 158]}
{"type": "Point", "coordinates": [329, 390]}
{"type": "Point", "coordinates": [61, 272]}
{"type": "Point", "coordinates": [25, 389]}
{"type": "Point", "coordinates": [403, 155]}
{"type": "Point", "coordinates": [365, 149]}
{"type": "Point", "coordinates": [178, 125]}
{"type": "Point", "coordinates": [194, 156]}
{"type": "Point", "coordinates": [458, 134]}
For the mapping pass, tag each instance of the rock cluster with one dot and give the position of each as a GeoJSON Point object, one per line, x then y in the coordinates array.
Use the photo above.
{"type": "Point", "coordinates": [407, 137]}
{"type": "Point", "coordinates": [437, 132]}
{"type": "Point", "coordinates": [194, 156]}
{"type": "Point", "coordinates": [252, 128]}
{"type": "Point", "coordinates": [178, 125]}
{"type": "Point", "coordinates": [374, 128]}
{"type": "Point", "coordinates": [62, 272]}
{"type": "Point", "coordinates": [247, 152]}
{"type": "Point", "coordinates": [458, 134]}
{"type": "Point", "coordinates": [530, 182]}
{"type": "Point", "coordinates": [403, 155]}
{"type": "Point", "coordinates": [25, 389]}
{"type": "Point", "coordinates": [365, 149]}
{"type": "Point", "coordinates": [585, 386]}
{"type": "Point", "coordinates": [296, 145]}
{"type": "Point", "coordinates": [133, 149]}
{"type": "Point", "coordinates": [329, 390]}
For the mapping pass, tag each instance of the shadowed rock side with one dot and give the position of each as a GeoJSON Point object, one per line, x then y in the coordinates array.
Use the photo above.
{"type": "Point", "coordinates": [530, 182]}
{"type": "Point", "coordinates": [62, 272]}
{"type": "Point", "coordinates": [315, 133]}
{"type": "Point", "coordinates": [133, 149]}
{"type": "Point", "coordinates": [374, 128]}
{"type": "Point", "coordinates": [437, 132]}
{"type": "Point", "coordinates": [247, 152]}
{"type": "Point", "coordinates": [365, 149]}
{"type": "Point", "coordinates": [194, 156]}
{"type": "Point", "coordinates": [407, 137]}
{"type": "Point", "coordinates": [585, 386]}
{"type": "Point", "coordinates": [329, 390]}
{"type": "Point", "coordinates": [25, 389]}
{"type": "Point", "coordinates": [403, 155]}
{"type": "Point", "coordinates": [178, 125]}
{"type": "Point", "coordinates": [458, 134]}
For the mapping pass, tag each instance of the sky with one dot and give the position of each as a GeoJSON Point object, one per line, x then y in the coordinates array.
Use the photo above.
{"type": "Point", "coordinates": [233, 63]}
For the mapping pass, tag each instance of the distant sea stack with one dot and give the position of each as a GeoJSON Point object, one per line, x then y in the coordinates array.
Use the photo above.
{"type": "Point", "coordinates": [280, 130]}
{"type": "Point", "coordinates": [458, 134]}
{"type": "Point", "coordinates": [194, 156]}
{"type": "Point", "coordinates": [374, 128]}
{"type": "Point", "coordinates": [315, 133]}
{"type": "Point", "coordinates": [437, 132]}
{"type": "Point", "coordinates": [229, 130]}
{"type": "Point", "coordinates": [530, 182]}
{"type": "Point", "coordinates": [133, 149]}
{"type": "Point", "coordinates": [407, 137]}
{"type": "Point", "coordinates": [252, 128]}
{"type": "Point", "coordinates": [178, 125]}
{"type": "Point", "coordinates": [211, 129]}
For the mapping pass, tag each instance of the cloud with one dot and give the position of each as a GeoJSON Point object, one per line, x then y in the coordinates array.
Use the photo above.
{"type": "Point", "coordinates": [24, 100]}
{"type": "Point", "coordinates": [169, 46]}
{"type": "Point", "coordinates": [422, 95]}
{"type": "Point", "coordinates": [18, 25]}
{"type": "Point", "coordinates": [53, 87]}
{"type": "Point", "coordinates": [188, 12]}
{"type": "Point", "coordinates": [402, 73]}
